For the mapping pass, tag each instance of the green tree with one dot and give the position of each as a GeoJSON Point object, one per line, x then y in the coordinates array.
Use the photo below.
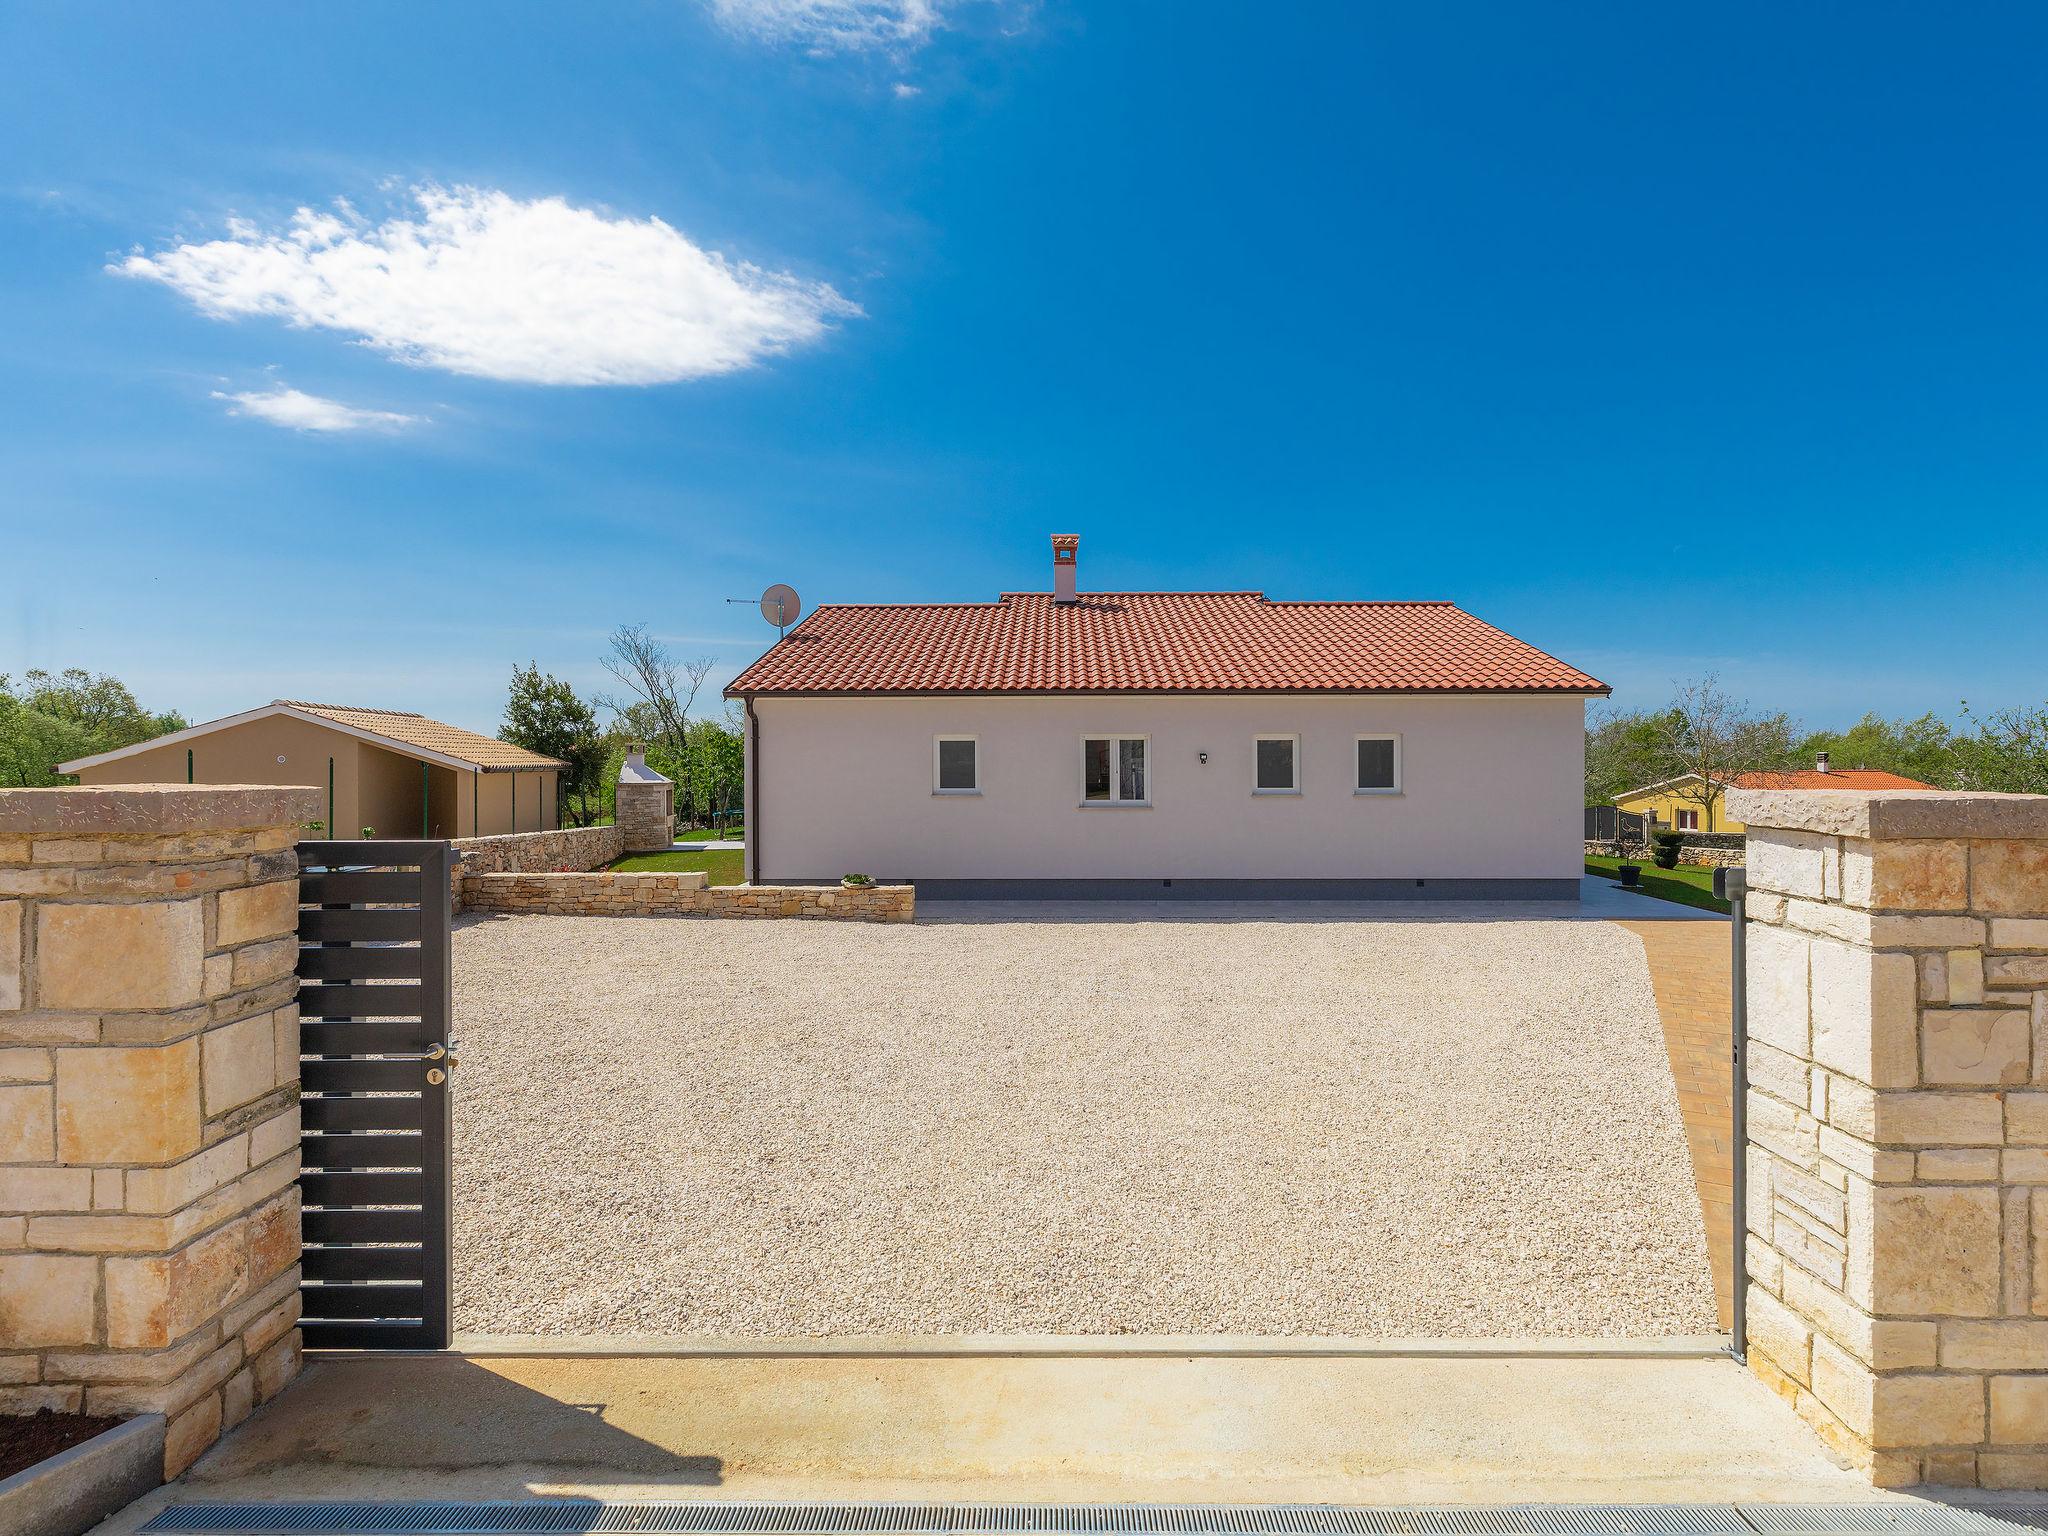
{"type": "Point", "coordinates": [2008, 752]}
{"type": "Point", "coordinates": [543, 714]}
{"type": "Point", "coordinates": [715, 765]}
{"type": "Point", "coordinates": [1621, 753]}
{"type": "Point", "coordinates": [50, 718]}
{"type": "Point", "coordinates": [1917, 749]}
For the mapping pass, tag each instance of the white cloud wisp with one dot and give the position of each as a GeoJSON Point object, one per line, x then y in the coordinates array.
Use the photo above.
{"type": "Point", "coordinates": [486, 284]}
{"type": "Point", "coordinates": [830, 25]}
{"type": "Point", "coordinates": [294, 408]}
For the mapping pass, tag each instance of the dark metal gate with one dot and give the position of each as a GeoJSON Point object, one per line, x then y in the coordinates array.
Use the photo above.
{"type": "Point", "coordinates": [374, 1062]}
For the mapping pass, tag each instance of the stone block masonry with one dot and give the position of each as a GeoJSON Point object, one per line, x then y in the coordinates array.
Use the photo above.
{"type": "Point", "coordinates": [569, 848]}
{"type": "Point", "coordinates": [682, 894]}
{"type": "Point", "coordinates": [644, 805]}
{"type": "Point", "coordinates": [149, 1120]}
{"type": "Point", "coordinates": [1898, 1126]}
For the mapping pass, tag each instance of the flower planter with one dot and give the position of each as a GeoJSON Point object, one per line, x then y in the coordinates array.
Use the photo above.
{"type": "Point", "coordinates": [1631, 876]}
{"type": "Point", "coordinates": [74, 1490]}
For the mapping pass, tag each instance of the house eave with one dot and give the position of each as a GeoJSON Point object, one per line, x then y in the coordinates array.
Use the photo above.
{"type": "Point", "coordinates": [1599, 692]}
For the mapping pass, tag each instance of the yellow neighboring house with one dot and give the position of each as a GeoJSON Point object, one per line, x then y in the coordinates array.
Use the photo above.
{"type": "Point", "coordinates": [1675, 803]}
{"type": "Point", "coordinates": [389, 769]}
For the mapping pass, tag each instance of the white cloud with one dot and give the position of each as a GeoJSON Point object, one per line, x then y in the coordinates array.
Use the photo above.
{"type": "Point", "coordinates": [287, 407]}
{"type": "Point", "coordinates": [905, 90]}
{"type": "Point", "coordinates": [304, 412]}
{"type": "Point", "coordinates": [833, 24]}
{"type": "Point", "coordinates": [487, 284]}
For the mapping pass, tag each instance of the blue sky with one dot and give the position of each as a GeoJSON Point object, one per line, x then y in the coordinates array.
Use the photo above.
{"type": "Point", "coordinates": [1672, 341]}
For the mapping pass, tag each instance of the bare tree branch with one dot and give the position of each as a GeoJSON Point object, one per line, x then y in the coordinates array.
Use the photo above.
{"type": "Point", "coordinates": [648, 670]}
{"type": "Point", "coordinates": [1707, 739]}
{"type": "Point", "coordinates": [659, 685]}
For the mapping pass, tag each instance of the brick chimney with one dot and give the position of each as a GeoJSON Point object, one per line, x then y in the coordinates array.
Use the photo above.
{"type": "Point", "coordinates": [1065, 547]}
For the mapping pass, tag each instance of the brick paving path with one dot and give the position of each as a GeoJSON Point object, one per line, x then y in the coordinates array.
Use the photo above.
{"type": "Point", "coordinates": [1689, 974]}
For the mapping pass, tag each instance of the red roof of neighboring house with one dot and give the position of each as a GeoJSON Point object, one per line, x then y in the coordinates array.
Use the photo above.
{"type": "Point", "coordinates": [1153, 642]}
{"type": "Point", "coordinates": [1834, 778]}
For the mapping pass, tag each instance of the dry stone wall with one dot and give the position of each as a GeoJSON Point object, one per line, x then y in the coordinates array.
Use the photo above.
{"type": "Point", "coordinates": [149, 1120]}
{"type": "Point", "coordinates": [1898, 1126]}
{"type": "Point", "coordinates": [570, 848]}
{"type": "Point", "coordinates": [682, 894]}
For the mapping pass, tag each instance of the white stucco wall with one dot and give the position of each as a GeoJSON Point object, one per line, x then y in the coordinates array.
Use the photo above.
{"type": "Point", "coordinates": [1492, 789]}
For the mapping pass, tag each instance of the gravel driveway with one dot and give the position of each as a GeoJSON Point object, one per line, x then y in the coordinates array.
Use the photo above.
{"type": "Point", "coordinates": [1251, 1121]}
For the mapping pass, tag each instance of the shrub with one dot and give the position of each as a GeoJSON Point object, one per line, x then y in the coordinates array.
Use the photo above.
{"type": "Point", "coordinates": [1668, 844]}
{"type": "Point", "coordinates": [856, 879]}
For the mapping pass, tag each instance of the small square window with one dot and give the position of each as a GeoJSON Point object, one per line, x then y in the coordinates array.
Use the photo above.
{"type": "Point", "coordinates": [1379, 765]}
{"type": "Point", "coordinates": [1276, 758]}
{"type": "Point", "coordinates": [957, 765]}
{"type": "Point", "coordinates": [1688, 821]}
{"type": "Point", "coordinates": [1113, 770]}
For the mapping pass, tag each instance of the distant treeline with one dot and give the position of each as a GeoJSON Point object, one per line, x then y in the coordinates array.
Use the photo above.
{"type": "Point", "coordinates": [1704, 732]}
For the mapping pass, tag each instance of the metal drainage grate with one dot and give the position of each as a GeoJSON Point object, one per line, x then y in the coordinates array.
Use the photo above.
{"type": "Point", "coordinates": [588, 1517]}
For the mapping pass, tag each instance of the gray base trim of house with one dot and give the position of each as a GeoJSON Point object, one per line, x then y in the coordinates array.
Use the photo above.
{"type": "Point", "coordinates": [571, 1517]}
{"type": "Point", "coordinates": [75, 1490]}
{"type": "Point", "coordinates": [1246, 890]}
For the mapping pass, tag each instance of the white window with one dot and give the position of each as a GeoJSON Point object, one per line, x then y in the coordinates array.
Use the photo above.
{"type": "Point", "coordinates": [1276, 768]}
{"type": "Point", "coordinates": [1688, 821]}
{"type": "Point", "coordinates": [1114, 770]}
{"type": "Point", "coordinates": [1379, 765]}
{"type": "Point", "coordinates": [956, 765]}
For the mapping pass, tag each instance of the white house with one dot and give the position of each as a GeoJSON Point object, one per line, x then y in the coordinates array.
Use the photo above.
{"type": "Point", "coordinates": [1165, 744]}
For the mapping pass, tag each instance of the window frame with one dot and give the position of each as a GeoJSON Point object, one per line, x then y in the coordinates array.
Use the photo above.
{"type": "Point", "coordinates": [1400, 772]}
{"type": "Point", "coordinates": [1115, 800]}
{"type": "Point", "coordinates": [1678, 823]}
{"type": "Point", "coordinates": [938, 741]}
{"type": "Point", "coordinates": [1293, 739]}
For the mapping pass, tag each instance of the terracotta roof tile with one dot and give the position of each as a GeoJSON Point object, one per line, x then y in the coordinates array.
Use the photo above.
{"type": "Point", "coordinates": [1834, 778]}
{"type": "Point", "coordinates": [1153, 642]}
{"type": "Point", "coordinates": [416, 730]}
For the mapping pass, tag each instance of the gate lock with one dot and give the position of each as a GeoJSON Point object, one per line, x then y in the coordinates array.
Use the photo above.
{"type": "Point", "coordinates": [443, 1056]}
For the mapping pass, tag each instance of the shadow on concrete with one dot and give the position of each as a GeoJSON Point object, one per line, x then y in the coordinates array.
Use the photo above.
{"type": "Point", "coordinates": [439, 1414]}
{"type": "Point", "coordinates": [1398, 1429]}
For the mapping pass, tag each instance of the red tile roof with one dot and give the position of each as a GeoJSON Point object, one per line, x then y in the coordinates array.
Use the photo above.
{"type": "Point", "coordinates": [1153, 642]}
{"type": "Point", "coordinates": [1834, 778]}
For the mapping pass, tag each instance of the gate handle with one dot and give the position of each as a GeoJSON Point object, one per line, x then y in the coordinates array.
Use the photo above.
{"type": "Point", "coordinates": [440, 1052]}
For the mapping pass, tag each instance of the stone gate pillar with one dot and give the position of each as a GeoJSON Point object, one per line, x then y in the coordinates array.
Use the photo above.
{"type": "Point", "coordinates": [1898, 1126]}
{"type": "Point", "coordinates": [149, 1122]}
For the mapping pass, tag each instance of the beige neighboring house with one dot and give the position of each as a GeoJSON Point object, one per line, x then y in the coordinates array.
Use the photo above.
{"type": "Point", "coordinates": [388, 769]}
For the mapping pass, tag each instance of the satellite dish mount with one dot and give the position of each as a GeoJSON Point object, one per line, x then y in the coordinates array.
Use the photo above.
{"type": "Point", "coordinates": [780, 606]}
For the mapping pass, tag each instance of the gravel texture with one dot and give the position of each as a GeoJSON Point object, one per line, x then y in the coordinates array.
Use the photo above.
{"type": "Point", "coordinates": [1245, 1121]}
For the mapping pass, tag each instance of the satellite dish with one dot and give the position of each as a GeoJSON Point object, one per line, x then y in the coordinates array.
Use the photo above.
{"type": "Point", "coordinates": [780, 605]}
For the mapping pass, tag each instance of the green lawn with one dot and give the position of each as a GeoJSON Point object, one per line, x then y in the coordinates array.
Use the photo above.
{"type": "Point", "coordinates": [1690, 885]}
{"type": "Point", "coordinates": [706, 835]}
{"type": "Point", "coordinates": [724, 866]}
